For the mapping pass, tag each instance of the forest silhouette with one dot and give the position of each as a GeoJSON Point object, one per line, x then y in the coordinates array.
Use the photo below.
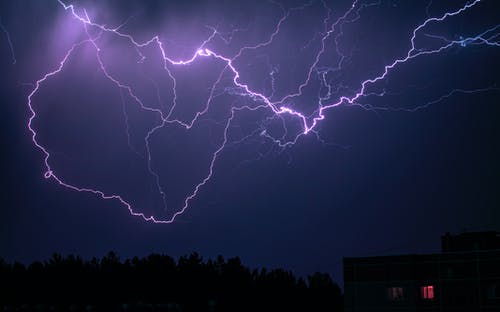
{"type": "Point", "coordinates": [160, 283]}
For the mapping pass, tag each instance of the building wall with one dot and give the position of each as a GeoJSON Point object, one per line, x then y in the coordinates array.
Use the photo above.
{"type": "Point", "coordinates": [463, 281]}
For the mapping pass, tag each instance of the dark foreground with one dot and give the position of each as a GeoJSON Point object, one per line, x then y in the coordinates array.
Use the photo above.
{"type": "Point", "coordinates": [160, 283]}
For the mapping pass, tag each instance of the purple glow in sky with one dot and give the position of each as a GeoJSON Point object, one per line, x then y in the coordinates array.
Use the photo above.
{"type": "Point", "coordinates": [229, 88]}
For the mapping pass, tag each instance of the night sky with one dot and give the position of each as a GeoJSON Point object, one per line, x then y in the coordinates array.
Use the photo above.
{"type": "Point", "coordinates": [414, 156]}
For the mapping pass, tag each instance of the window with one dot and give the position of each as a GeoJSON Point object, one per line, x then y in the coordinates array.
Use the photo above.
{"type": "Point", "coordinates": [395, 293]}
{"type": "Point", "coordinates": [427, 292]}
{"type": "Point", "coordinates": [494, 291]}
{"type": "Point", "coordinates": [450, 272]}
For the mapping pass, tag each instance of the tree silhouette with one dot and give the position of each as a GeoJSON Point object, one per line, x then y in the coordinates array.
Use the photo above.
{"type": "Point", "coordinates": [160, 283]}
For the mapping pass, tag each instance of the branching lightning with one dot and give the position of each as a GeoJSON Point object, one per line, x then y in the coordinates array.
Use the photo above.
{"type": "Point", "coordinates": [278, 108]}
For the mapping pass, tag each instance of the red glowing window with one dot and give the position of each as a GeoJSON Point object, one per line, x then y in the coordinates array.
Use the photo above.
{"type": "Point", "coordinates": [427, 292]}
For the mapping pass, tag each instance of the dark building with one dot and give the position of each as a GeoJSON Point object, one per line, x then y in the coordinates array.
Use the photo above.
{"type": "Point", "coordinates": [470, 241]}
{"type": "Point", "coordinates": [464, 277]}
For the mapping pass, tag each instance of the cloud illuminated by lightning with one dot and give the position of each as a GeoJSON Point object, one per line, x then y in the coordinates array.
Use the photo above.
{"type": "Point", "coordinates": [279, 108]}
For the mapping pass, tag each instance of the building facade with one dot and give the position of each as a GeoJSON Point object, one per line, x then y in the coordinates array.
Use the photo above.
{"type": "Point", "coordinates": [465, 277]}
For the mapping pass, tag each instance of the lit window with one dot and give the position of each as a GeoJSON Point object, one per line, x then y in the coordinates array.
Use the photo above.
{"type": "Point", "coordinates": [427, 292]}
{"type": "Point", "coordinates": [395, 293]}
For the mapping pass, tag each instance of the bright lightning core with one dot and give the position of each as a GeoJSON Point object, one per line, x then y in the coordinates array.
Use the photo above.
{"type": "Point", "coordinates": [237, 84]}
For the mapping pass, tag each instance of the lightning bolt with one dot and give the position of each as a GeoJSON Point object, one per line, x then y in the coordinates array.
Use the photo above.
{"type": "Point", "coordinates": [279, 109]}
{"type": "Point", "coordinates": [9, 41]}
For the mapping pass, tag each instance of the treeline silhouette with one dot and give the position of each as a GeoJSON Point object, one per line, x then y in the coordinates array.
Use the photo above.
{"type": "Point", "coordinates": [160, 283]}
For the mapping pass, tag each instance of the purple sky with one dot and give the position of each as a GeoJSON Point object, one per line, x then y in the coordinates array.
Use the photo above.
{"type": "Point", "coordinates": [290, 134]}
